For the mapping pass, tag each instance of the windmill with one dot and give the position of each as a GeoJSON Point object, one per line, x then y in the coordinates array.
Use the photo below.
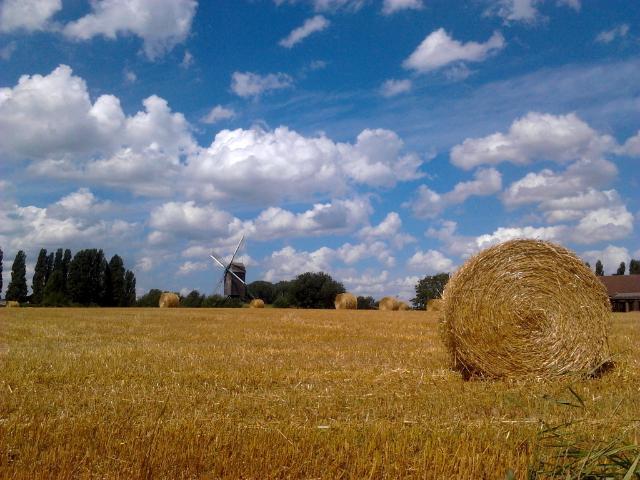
{"type": "Point", "coordinates": [234, 276]}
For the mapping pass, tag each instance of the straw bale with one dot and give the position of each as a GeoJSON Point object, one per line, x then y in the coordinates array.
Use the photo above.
{"type": "Point", "coordinates": [434, 305]}
{"type": "Point", "coordinates": [256, 303]}
{"type": "Point", "coordinates": [169, 300]}
{"type": "Point", "coordinates": [388, 303]}
{"type": "Point", "coordinates": [12, 304]}
{"type": "Point", "coordinates": [526, 308]}
{"type": "Point", "coordinates": [346, 301]}
{"type": "Point", "coordinates": [403, 306]}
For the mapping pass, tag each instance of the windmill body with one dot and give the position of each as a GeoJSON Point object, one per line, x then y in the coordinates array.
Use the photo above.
{"type": "Point", "coordinates": [234, 283]}
{"type": "Point", "coordinates": [234, 276]}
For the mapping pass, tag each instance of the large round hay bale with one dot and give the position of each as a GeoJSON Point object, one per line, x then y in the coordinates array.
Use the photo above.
{"type": "Point", "coordinates": [168, 300]}
{"type": "Point", "coordinates": [12, 304]}
{"type": "Point", "coordinates": [526, 308]}
{"type": "Point", "coordinates": [256, 303]}
{"type": "Point", "coordinates": [403, 306]}
{"type": "Point", "coordinates": [388, 303]}
{"type": "Point", "coordinates": [434, 305]}
{"type": "Point", "coordinates": [346, 301]}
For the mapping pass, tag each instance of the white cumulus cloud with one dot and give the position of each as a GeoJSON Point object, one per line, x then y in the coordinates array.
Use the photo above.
{"type": "Point", "coordinates": [393, 6]}
{"type": "Point", "coordinates": [430, 262]}
{"type": "Point", "coordinates": [310, 26]}
{"type": "Point", "coordinates": [217, 114]}
{"type": "Point", "coordinates": [161, 24]}
{"type": "Point", "coordinates": [439, 49]}
{"type": "Point", "coordinates": [28, 15]}
{"type": "Point", "coordinates": [249, 84]}
{"type": "Point", "coordinates": [536, 136]}
{"type": "Point", "coordinates": [391, 87]}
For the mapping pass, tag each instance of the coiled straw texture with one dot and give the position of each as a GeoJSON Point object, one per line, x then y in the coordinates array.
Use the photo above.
{"type": "Point", "coordinates": [526, 308]}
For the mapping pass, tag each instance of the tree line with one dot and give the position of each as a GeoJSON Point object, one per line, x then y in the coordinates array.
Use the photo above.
{"type": "Point", "coordinates": [60, 279]}
{"type": "Point", "coordinates": [634, 268]}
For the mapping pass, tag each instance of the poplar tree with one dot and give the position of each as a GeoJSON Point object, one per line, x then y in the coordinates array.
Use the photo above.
{"type": "Point", "coordinates": [17, 289]}
{"type": "Point", "coordinates": [39, 277]}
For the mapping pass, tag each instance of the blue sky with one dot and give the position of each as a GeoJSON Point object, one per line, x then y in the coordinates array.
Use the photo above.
{"type": "Point", "coordinates": [378, 140]}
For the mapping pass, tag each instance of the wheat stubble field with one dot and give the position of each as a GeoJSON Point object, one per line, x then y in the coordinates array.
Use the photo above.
{"type": "Point", "coordinates": [212, 393]}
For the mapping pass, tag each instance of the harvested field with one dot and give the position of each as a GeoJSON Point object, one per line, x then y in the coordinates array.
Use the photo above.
{"type": "Point", "coordinates": [191, 393]}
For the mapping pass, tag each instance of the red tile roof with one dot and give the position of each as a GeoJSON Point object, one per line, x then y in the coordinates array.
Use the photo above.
{"type": "Point", "coordinates": [621, 283]}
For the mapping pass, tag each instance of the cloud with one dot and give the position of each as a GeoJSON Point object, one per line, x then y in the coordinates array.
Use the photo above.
{"type": "Point", "coordinates": [536, 136]}
{"type": "Point", "coordinates": [248, 84]}
{"type": "Point", "coordinates": [604, 224]}
{"type": "Point", "coordinates": [189, 220]}
{"type": "Point", "coordinates": [288, 262]}
{"type": "Point", "coordinates": [266, 166]}
{"type": "Point", "coordinates": [465, 246]}
{"type": "Point", "coordinates": [393, 6]}
{"type": "Point", "coordinates": [335, 218]}
{"type": "Point", "coordinates": [608, 36]}
{"type": "Point", "coordinates": [391, 87]}
{"type": "Point", "coordinates": [611, 257]}
{"type": "Point", "coordinates": [65, 223]}
{"type": "Point", "coordinates": [632, 146]}
{"type": "Point", "coordinates": [329, 5]}
{"type": "Point", "coordinates": [388, 229]}
{"type": "Point", "coordinates": [161, 24]}
{"type": "Point", "coordinates": [439, 49]}
{"type": "Point", "coordinates": [189, 267]}
{"type": "Point", "coordinates": [81, 203]}
{"type": "Point", "coordinates": [129, 76]}
{"type": "Point", "coordinates": [29, 15]}
{"type": "Point", "coordinates": [429, 204]}
{"type": "Point", "coordinates": [53, 117]}
{"type": "Point", "coordinates": [430, 262]}
{"type": "Point", "coordinates": [217, 114]}
{"type": "Point", "coordinates": [7, 51]}
{"type": "Point", "coordinates": [311, 25]}
{"type": "Point", "coordinates": [516, 10]}
{"type": "Point", "coordinates": [187, 59]}
{"type": "Point", "coordinates": [546, 184]}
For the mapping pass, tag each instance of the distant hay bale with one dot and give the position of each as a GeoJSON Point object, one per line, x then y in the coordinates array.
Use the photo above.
{"type": "Point", "coordinates": [388, 303]}
{"type": "Point", "coordinates": [346, 301]}
{"type": "Point", "coordinates": [169, 300]}
{"type": "Point", "coordinates": [12, 304]}
{"type": "Point", "coordinates": [403, 306]}
{"type": "Point", "coordinates": [526, 308]}
{"type": "Point", "coordinates": [256, 303]}
{"type": "Point", "coordinates": [435, 305]}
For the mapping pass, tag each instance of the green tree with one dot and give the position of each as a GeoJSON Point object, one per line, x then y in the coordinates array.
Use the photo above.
{"type": "Point", "coordinates": [86, 280]}
{"type": "Point", "coordinates": [129, 289]}
{"type": "Point", "coordinates": [366, 303]}
{"type": "Point", "coordinates": [39, 279]}
{"type": "Point", "coordinates": [315, 290]}
{"type": "Point", "coordinates": [49, 268]}
{"type": "Point", "coordinates": [17, 288]}
{"type": "Point", "coordinates": [634, 267]}
{"type": "Point", "coordinates": [1, 257]}
{"type": "Point", "coordinates": [263, 290]}
{"type": "Point", "coordinates": [213, 301]}
{"type": "Point", "coordinates": [428, 288]}
{"type": "Point", "coordinates": [150, 299]}
{"type": "Point", "coordinates": [116, 280]}
{"type": "Point", "coordinates": [621, 269]}
{"type": "Point", "coordinates": [599, 268]}
{"type": "Point", "coordinates": [193, 300]}
{"type": "Point", "coordinates": [54, 293]}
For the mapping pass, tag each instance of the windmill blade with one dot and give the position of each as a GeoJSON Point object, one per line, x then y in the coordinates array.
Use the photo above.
{"type": "Point", "coordinates": [239, 279]}
{"type": "Point", "coordinates": [237, 248]}
{"type": "Point", "coordinates": [218, 262]}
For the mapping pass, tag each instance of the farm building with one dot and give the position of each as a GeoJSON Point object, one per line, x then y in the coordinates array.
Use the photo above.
{"type": "Point", "coordinates": [624, 292]}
